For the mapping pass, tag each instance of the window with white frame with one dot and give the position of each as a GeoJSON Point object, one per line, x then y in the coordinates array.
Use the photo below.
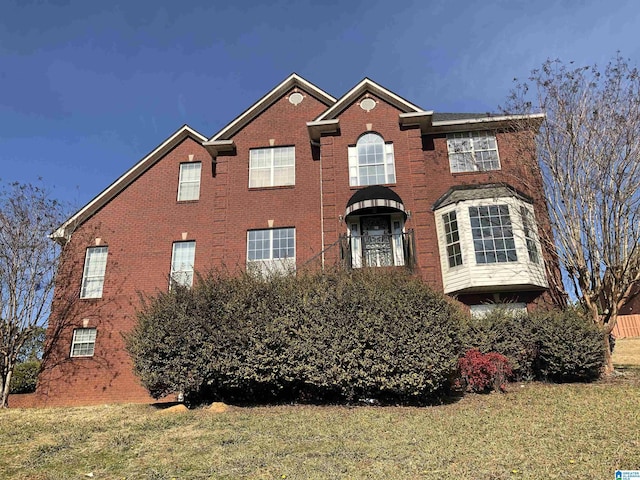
{"type": "Point", "coordinates": [492, 234]}
{"type": "Point", "coordinates": [272, 250]}
{"type": "Point", "coordinates": [95, 266]}
{"type": "Point", "coordinates": [472, 152]}
{"type": "Point", "coordinates": [371, 161]}
{"type": "Point", "coordinates": [529, 234]}
{"type": "Point", "coordinates": [182, 261]}
{"type": "Point", "coordinates": [272, 167]}
{"type": "Point", "coordinates": [189, 181]}
{"type": "Point", "coordinates": [452, 236]}
{"type": "Point", "coordinates": [514, 309]}
{"type": "Point", "coordinates": [84, 342]}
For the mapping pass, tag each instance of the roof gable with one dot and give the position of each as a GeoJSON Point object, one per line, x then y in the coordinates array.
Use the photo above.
{"type": "Point", "coordinates": [367, 86]}
{"type": "Point", "coordinates": [293, 80]}
{"type": "Point", "coordinates": [66, 229]}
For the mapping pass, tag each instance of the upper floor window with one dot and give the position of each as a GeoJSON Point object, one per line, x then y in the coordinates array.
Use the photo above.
{"type": "Point", "coordinates": [272, 167]}
{"type": "Point", "coordinates": [454, 253]}
{"type": "Point", "coordinates": [189, 182]}
{"type": "Point", "coordinates": [84, 342]}
{"type": "Point", "coordinates": [272, 250]}
{"type": "Point", "coordinates": [371, 162]}
{"type": "Point", "coordinates": [95, 265]}
{"type": "Point", "coordinates": [182, 260]}
{"type": "Point", "coordinates": [492, 234]}
{"type": "Point", "coordinates": [472, 152]}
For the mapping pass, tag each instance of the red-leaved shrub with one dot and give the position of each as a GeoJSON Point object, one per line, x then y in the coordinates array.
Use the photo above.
{"type": "Point", "coordinates": [484, 372]}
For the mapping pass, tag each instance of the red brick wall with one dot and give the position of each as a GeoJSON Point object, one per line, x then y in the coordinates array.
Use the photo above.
{"type": "Point", "coordinates": [140, 224]}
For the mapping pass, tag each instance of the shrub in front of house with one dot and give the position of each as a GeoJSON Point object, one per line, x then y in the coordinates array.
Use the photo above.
{"type": "Point", "coordinates": [332, 337]}
{"type": "Point", "coordinates": [570, 347]}
{"type": "Point", "coordinates": [545, 345]}
{"type": "Point", "coordinates": [25, 377]}
{"type": "Point", "coordinates": [510, 335]}
{"type": "Point", "coordinates": [484, 372]}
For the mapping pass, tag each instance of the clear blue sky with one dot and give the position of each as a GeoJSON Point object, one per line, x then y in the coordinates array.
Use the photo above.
{"type": "Point", "coordinates": [88, 88]}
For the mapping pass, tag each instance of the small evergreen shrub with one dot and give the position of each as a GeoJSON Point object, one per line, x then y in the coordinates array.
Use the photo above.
{"type": "Point", "coordinates": [484, 372]}
{"type": "Point", "coordinates": [330, 337]}
{"type": "Point", "coordinates": [25, 377]}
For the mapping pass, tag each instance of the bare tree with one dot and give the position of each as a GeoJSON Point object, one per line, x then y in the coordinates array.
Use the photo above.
{"type": "Point", "coordinates": [589, 154]}
{"type": "Point", "coordinates": [28, 263]}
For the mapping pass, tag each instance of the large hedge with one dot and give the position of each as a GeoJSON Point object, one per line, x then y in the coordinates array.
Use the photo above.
{"type": "Point", "coordinates": [339, 336]}
{"type": "Point", "coordinates": [546, 345]}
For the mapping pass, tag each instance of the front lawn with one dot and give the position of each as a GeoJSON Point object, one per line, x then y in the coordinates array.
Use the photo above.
{"type": "Point", "coordinates": [536, 431]}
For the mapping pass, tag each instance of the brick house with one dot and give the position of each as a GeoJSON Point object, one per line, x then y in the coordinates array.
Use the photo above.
{"type": "Point", "coordinates": [299, 180]}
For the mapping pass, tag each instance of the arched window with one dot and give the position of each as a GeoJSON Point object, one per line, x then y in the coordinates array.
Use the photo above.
{"type": "Point", "coordinates": [371, 161]}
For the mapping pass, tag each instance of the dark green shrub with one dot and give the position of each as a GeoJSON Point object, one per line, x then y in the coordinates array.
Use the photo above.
{"type": "Point", "coordinates": [339, 336]}
{"type": "Point", "coordinates": [556, 346]}
{"type": "Point", "coordinates": [25, 377]}
{"type": "Point", "coordinates": [512, 336]}
{"type": "Point", "coordinates": [570, 346]}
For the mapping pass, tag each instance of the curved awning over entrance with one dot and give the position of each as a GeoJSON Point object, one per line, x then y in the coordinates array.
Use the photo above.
{"type": "Point", "coordinates": [374, 199]}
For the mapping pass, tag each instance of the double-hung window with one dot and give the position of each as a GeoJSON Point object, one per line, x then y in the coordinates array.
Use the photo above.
{"type": "Point", "coordinates": [189, 181]}
{"type": "Point", "coordinates": [371, 161]}
{"type": "Point", "coordinates": [472, 152]}
{"type": "Point", "coordinates": [84, 342]}
{"type": "Point", "coordinates": [492, 234]}
{"type": "Point", "coordinates": [271, 251]}
{"type": "Point", "coordinates": [182, 260]}
{"type": "Point", "coordinates": [272, 167]}
{"type": "Point", "coordinates": [95, 265]}
{"type": "Point", "coordinates": [454, 253]}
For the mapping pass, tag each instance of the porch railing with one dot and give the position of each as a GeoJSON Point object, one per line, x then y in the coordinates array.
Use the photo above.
{"type": "Point", "coordinates": [389, 250]}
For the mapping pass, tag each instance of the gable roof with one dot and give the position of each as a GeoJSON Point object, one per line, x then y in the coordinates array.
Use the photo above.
{"type": "Point", "coordinates": [65, 230]}
{"type": "Point", "coordinates": [293, 80]}
{"type": "Point", "coordinates": [368, 85]}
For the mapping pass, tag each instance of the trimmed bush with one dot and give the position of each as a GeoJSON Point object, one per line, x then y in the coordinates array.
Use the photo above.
{"type": "Point", "coordinates": [337, 337]}
{"type": "Point", "coordinates": [570, 347]}
{"type": "Point", "coordinates": [557, 346]}
{"type": "Point", "coordinates": [25, 377]}
{"type": "Point", "coordinates": [512, 336]}
{"type": "Point", "coordinates": [484, 372]}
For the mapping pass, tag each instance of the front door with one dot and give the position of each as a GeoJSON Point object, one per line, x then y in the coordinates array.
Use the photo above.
{"type": "Point", "coordinates": [377, 248]}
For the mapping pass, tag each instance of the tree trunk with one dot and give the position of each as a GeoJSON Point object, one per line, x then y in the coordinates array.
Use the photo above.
{"type": "Point", "coordinates": [608, 357]}
{"type": "Point", "coordinates": [6, 386]}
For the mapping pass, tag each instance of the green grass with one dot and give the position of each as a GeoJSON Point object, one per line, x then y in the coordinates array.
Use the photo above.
{"type": "Point", "coordinates": [536, 431]}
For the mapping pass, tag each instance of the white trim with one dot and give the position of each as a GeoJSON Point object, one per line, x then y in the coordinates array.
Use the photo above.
{"type": "Point", "coordinates": [267, 100]}
{"type": "Point", "coordinates": [91, 340]}
{"type": "Point", "coordinates": [64, 230]}
{"type": "Point", "coordinates": [368, 85]}
{"type": "Point", "coordinates": [475, 121]}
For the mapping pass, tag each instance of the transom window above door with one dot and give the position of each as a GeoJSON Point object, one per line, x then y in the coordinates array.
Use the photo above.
{"type": "Point", "coordinates": [371, 161]}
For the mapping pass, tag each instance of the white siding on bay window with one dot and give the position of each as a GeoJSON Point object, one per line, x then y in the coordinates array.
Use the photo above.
{"type": "Point", "coordinates": [472, 276]}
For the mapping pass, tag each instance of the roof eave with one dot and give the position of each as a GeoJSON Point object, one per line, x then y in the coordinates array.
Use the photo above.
{"type": "Point", "coordinates": [502, 121]}
{"type": "Point", "coordinates": [267, 100]}
{"type": "Point", "coordinates": [363, 86]}
{"type": "Point", "coordinates": [63, 233]}
{"type": "Point", "coordinates": [318, 128]}
{"type": "Point", "coordinates": [422, 119]}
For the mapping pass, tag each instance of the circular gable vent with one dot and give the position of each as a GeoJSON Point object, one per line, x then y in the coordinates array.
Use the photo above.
{"type": "Point", "coordinates": [368, 104]}
{"type": "Point", "coordinates": [296, 98]}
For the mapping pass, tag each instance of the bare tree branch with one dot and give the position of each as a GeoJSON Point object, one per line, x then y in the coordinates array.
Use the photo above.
{"type": "Point", "coordinates": [589, 155]}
